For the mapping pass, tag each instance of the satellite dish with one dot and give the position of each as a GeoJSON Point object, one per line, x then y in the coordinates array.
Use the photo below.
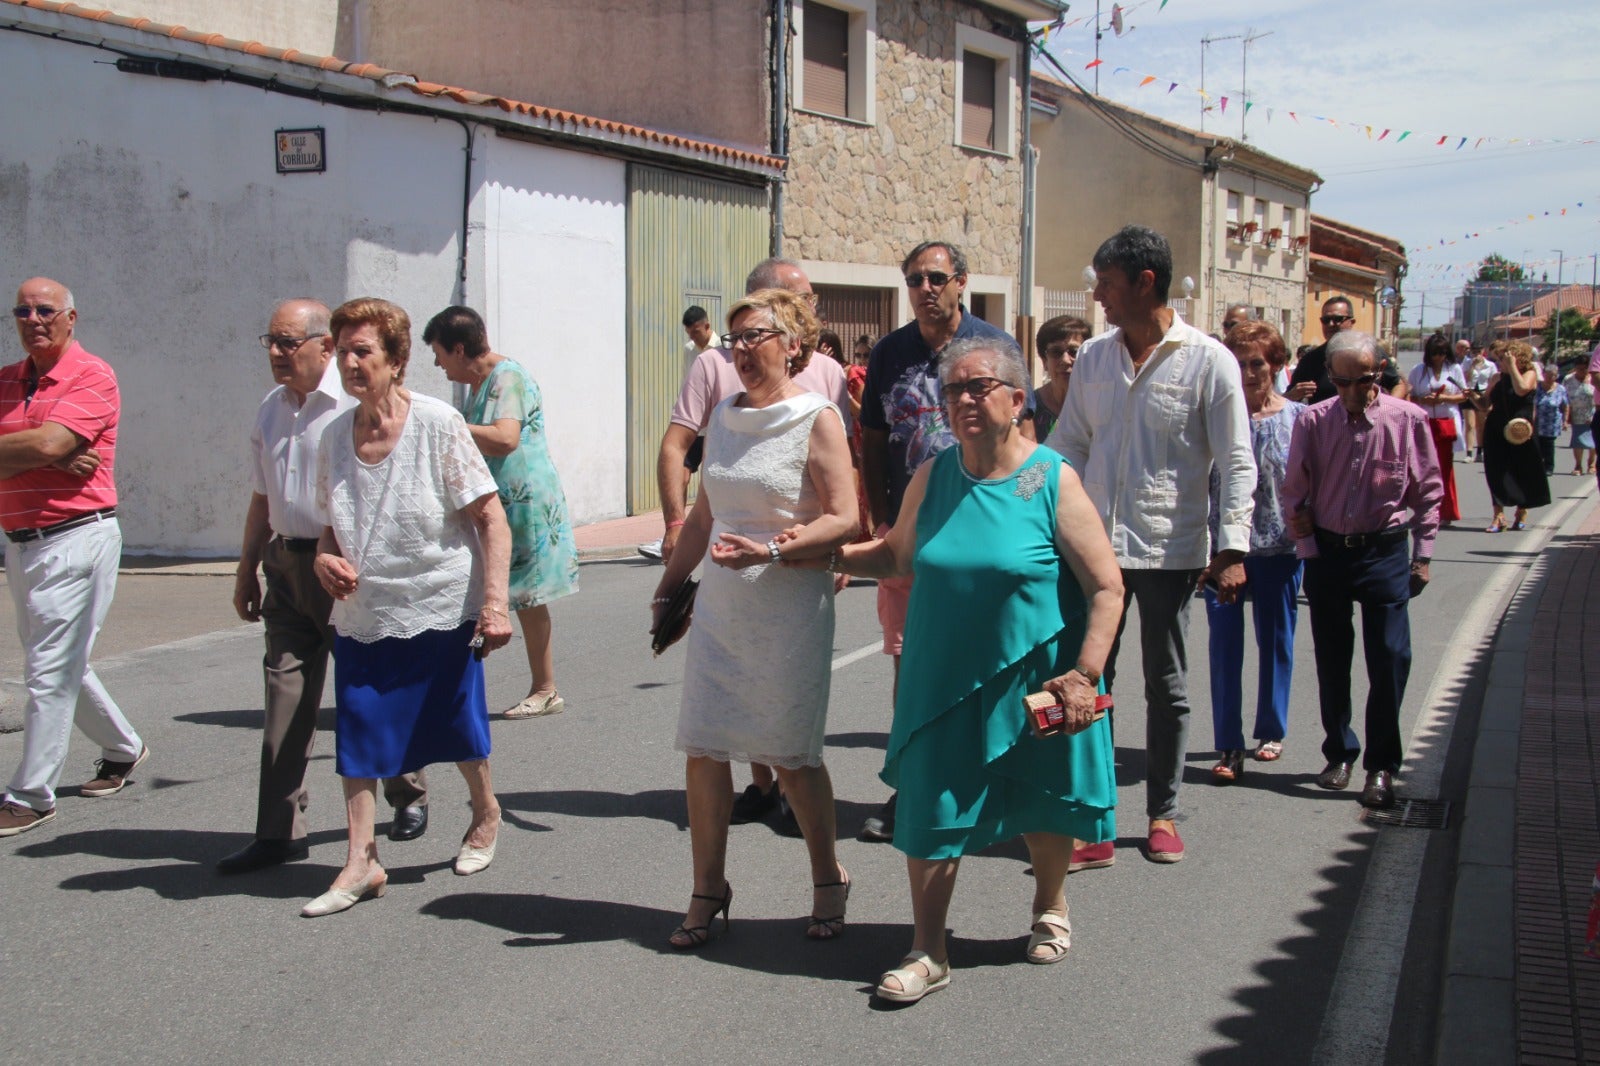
{"type": "Point", "coordinates": [1089, 277]}
{"type": "Point", "coordinates": [1116, 19]}
{"type": "Point", "coordinates": [1188, 286]}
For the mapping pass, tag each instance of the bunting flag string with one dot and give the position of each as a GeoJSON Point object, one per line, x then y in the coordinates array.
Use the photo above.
{"type": "Point", "coordinates": [1366, 129]}
{"type": "Point", "coordinates": [1536, 216]}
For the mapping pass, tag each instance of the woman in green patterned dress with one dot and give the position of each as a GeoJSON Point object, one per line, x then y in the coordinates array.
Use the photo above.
{"type": "Point", "coordinates": [1016, 590]}
{"type": "Point", "coordinates": [505, 414]}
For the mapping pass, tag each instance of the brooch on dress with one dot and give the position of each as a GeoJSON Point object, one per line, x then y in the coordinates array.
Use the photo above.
{"type": "Point", "coordinates": [1031, 480]}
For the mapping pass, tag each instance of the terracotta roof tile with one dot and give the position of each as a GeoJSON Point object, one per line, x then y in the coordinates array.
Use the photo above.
{"type": "Point", "coordinates": [399, 79]}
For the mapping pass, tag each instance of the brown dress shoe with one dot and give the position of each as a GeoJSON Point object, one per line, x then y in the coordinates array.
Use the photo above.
{"type": "Point", "coordinates": [1379, 793]}
{"type": "Point", "coordinates": [112, 777]}
{"type": "Point", "coordinates": [1335, 777]}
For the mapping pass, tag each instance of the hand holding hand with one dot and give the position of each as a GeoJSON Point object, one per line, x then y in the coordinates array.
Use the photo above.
{"type": "Point", "coordinates": [1226, 573]}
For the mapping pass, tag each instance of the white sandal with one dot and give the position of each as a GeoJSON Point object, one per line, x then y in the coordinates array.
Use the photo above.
{"type": "Point", "coordinates": [913, 986]}
{"type": "Point", "coordinates": [1057, 936]}
{"type": "Point", "coordinates": [537, 707]}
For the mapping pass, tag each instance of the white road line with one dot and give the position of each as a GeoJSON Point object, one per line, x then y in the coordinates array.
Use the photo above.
{"type": "Point", "coordinates": [856, 656]}
{"type": "Point", "coordinates": [1355, 1027]}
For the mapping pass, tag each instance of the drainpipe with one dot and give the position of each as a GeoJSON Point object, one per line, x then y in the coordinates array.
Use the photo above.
{"type": "Point", "coordinates": [1030, 169]}
{"type": "Point", "coordinates": [780, 112]}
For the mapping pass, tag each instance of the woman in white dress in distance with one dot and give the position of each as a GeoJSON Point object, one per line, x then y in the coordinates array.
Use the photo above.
{"type": "Point", "coordinates": [756, 674]}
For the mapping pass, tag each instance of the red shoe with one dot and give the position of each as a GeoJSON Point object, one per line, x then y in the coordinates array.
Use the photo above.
{"type": "Point", "coordinates": [1165, 846]}
{"type": "Point", "coordinates": [1092, 857]}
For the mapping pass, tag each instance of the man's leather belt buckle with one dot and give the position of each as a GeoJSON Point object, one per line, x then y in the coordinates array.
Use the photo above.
{"type": "Point", "coordinates": [23, 536]}
{"type": "Point", "coordinates": [1360, 541]}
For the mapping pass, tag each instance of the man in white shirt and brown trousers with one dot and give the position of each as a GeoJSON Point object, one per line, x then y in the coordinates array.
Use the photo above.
{"type": "Point", "coordinates": [280, 536]}
{"type": "Point", "coordinates": [1154, 404]}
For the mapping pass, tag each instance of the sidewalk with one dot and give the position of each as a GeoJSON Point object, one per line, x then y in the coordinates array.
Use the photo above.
{"type": "Point", "coordinates": [1518, 987]}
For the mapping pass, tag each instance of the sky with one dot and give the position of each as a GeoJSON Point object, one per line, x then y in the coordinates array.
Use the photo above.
{"type": "Point", "coordinates": [1523, 77]}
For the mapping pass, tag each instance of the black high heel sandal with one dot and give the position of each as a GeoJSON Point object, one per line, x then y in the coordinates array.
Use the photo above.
{"type": "Point", "coordinates": [828, 928]}
{"type": "Point", "coordinates": [696, 936]}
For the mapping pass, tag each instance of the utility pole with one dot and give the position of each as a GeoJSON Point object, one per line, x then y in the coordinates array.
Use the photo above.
{"type": "Point", "coordinates": [1097, 35]}
{"type": "Point", "coordinates": [1244, 91]}
{"type": "Point", "coordinates": [1555, 345]}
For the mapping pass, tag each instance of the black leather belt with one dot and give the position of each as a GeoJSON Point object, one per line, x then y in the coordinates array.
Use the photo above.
{"type": "Point", "coordinates": [1361, 541]}
{"type": "Point", "coordinates": [23, 536]}
{"type": "Point", "coordinates": [300, 545]}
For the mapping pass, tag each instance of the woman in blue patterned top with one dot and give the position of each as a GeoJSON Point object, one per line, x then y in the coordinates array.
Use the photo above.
{"type": "Point", "coordinates": [1272, 570]}
{"type": "Point", "coordinates": [505, 413]}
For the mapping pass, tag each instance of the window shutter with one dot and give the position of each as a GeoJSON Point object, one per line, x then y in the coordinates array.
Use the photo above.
{"type": "Point", "coordinates": [827, 67]}
{"type": "Point", "coordinates": [977, 100]}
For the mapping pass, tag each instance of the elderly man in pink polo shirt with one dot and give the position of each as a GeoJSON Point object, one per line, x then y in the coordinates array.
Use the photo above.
{"type": "Point", "coordinates": [58, 506]}
{"type": "Point", "coordinates": [1363, 488]}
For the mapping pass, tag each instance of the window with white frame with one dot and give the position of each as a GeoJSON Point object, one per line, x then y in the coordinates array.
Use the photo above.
{"type": "Point", "coordinates": [1235, 203]}
{"type": "Point", "coordinates": [986, 87]}
{"type": "Point", "coordinates": [835, 64]}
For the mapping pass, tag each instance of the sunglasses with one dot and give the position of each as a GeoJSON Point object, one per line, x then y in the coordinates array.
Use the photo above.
{"type": "Point", "coordinates": [937, 278]}
{"type": "Point", "coordinates": [748, 337]}
{"type": "Point", "coordinates": [1350, 383]}
{"type": "Point", "coordinates": [23, 312]}
{"type": "Point", "coordinates": [1334, 320]}
{"type": "Point", "coordinates": [976, 388]}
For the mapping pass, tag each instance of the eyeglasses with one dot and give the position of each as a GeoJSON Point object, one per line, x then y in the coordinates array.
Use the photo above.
{"type": "Point", "coordinates": [1061, 351]}
{"type": "Point", "coordinates": [43, 313]}
{"type": "Point", "coordinates": [270, 341]}
{"type": "Point", "coordinates": [749, 337]}
{"type": "Point", "coordinates": [1334, 320]}
{"type": "Point", "coordinates": [977, 388]}
{"type": "Point", "coordinates": [1349, 383]}
{"type": "Point", "coordinates": [937, 278]}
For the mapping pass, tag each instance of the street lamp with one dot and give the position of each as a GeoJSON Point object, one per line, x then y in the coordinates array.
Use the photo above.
{"type": "Point", "coordinates": [1555, 345]}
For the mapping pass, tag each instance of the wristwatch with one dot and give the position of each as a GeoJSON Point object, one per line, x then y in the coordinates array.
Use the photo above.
{"type": "Point", "coordinates": [772, 549]}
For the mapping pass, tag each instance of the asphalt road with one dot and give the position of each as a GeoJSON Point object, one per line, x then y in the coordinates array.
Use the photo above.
{"type": "Point", "coordinates": [123, 942]}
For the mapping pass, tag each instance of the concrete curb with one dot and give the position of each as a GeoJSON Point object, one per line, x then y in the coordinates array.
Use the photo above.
{"type": "Point", "coordinates": [1478, 1004]}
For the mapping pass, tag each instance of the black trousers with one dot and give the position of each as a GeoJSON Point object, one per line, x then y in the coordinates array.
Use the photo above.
{"type": "Point", "coordinates": [1379, 580]}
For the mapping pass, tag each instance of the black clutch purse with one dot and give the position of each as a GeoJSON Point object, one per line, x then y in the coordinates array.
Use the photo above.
{"type": "Point", "coordinates": [675, 618]}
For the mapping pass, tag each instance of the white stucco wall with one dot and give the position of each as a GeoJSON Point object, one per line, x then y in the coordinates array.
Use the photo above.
{"type": "Point", "coordinates": [157, 201]}
{"type": "Point", "coordinates": [554, 296]}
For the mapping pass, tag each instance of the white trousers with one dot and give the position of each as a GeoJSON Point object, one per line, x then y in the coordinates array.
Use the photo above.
{"type": "Point", "coordinates": [62, 587]}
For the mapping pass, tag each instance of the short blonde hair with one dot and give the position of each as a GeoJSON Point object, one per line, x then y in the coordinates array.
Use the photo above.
{"type": "Point", "coordinates": [390, 320]}
{"type": "Point", "coordinates": [1522, 352]}
{"type": "Point", "coordinates": [791, 315]}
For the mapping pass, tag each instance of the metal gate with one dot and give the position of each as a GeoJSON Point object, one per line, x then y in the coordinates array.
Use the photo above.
{"type": "Point", "coordinates": [691, 240]}
{"type": "Point", "coordinates": [853, 311]}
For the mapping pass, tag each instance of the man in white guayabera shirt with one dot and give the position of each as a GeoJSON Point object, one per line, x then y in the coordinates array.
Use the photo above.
{"type": "Point", "coordinates": [1154, 404]}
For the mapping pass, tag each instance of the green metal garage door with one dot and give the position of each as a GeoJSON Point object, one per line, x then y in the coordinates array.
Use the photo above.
{"type": "Point", "coordinates": [691, 240]}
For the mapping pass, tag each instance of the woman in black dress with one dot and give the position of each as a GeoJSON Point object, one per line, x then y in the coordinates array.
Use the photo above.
{"type": "Point", "coordinates": [1515, 472]}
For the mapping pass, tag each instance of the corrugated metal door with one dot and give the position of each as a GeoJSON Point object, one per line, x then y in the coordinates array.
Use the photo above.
{"type": "Point", "coordinates": [691, 240]}
{"type": "Point", "coordinates": [853, 311]}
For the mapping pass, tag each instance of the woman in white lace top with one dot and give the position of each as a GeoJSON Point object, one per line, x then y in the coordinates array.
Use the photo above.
{"type": "Point", "coordinates": [755, 684]}
{"type": "Point", "coordinates": [415, 554]}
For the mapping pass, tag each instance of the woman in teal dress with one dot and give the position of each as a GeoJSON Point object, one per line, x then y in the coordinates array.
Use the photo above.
{"type": "Point", "coordinates": [1016, 590]}
{"type": "Point", "coordinates": [505, 415]}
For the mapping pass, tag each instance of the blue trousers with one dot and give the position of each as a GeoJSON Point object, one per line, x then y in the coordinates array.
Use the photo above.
{"type": "Point", "coordinates": [1273, 585]}
{"type": "Point", "coordinates": [1379, 580]}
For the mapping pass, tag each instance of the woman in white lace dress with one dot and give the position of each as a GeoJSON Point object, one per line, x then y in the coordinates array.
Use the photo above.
{"type": "Point", "coordinates": [755, 685]}
{"type": "Point", "coordinates": [415, 554]}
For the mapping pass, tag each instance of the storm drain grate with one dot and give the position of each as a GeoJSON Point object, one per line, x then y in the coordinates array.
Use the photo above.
{"type": "Point", "coordinates": [1412, 814]}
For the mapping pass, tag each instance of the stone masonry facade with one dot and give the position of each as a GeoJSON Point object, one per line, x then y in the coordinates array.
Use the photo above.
{"type": "Point", "coordinates": [868, 194]}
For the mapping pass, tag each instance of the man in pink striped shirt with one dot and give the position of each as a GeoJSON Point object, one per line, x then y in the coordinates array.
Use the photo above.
{"type": "Point", "coordinates": [1363, 481]}
{"type": "Point", "coordinates": [59, 409]}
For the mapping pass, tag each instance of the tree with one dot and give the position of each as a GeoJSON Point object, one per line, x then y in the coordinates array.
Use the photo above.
{"type": "Point", "coordinates": [1576, 335]}
{"type": "Point", "coordinates": [1496, 267]}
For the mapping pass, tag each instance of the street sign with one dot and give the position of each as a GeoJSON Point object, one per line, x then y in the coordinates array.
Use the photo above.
{"type": "Point", "coordinates": [301, 151]}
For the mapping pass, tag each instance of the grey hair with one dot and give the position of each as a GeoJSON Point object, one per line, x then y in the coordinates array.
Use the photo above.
{"type": "Point", "coordinates": [67, 302]}
{"type": "Point", "coordinates": [318, 317]}
{"type": "Point", "coordinates": [1008, 363]}
{"type": "Point", "coordinates": [1353, 341]}
{"type": "Point", "coordinates": [765, 274]}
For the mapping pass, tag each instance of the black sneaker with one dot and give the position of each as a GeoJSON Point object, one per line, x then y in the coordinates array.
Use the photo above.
{"type": "Point", "coordinates": [881, 827]}
{"type": "Point", "coordinates": [753, 805]}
